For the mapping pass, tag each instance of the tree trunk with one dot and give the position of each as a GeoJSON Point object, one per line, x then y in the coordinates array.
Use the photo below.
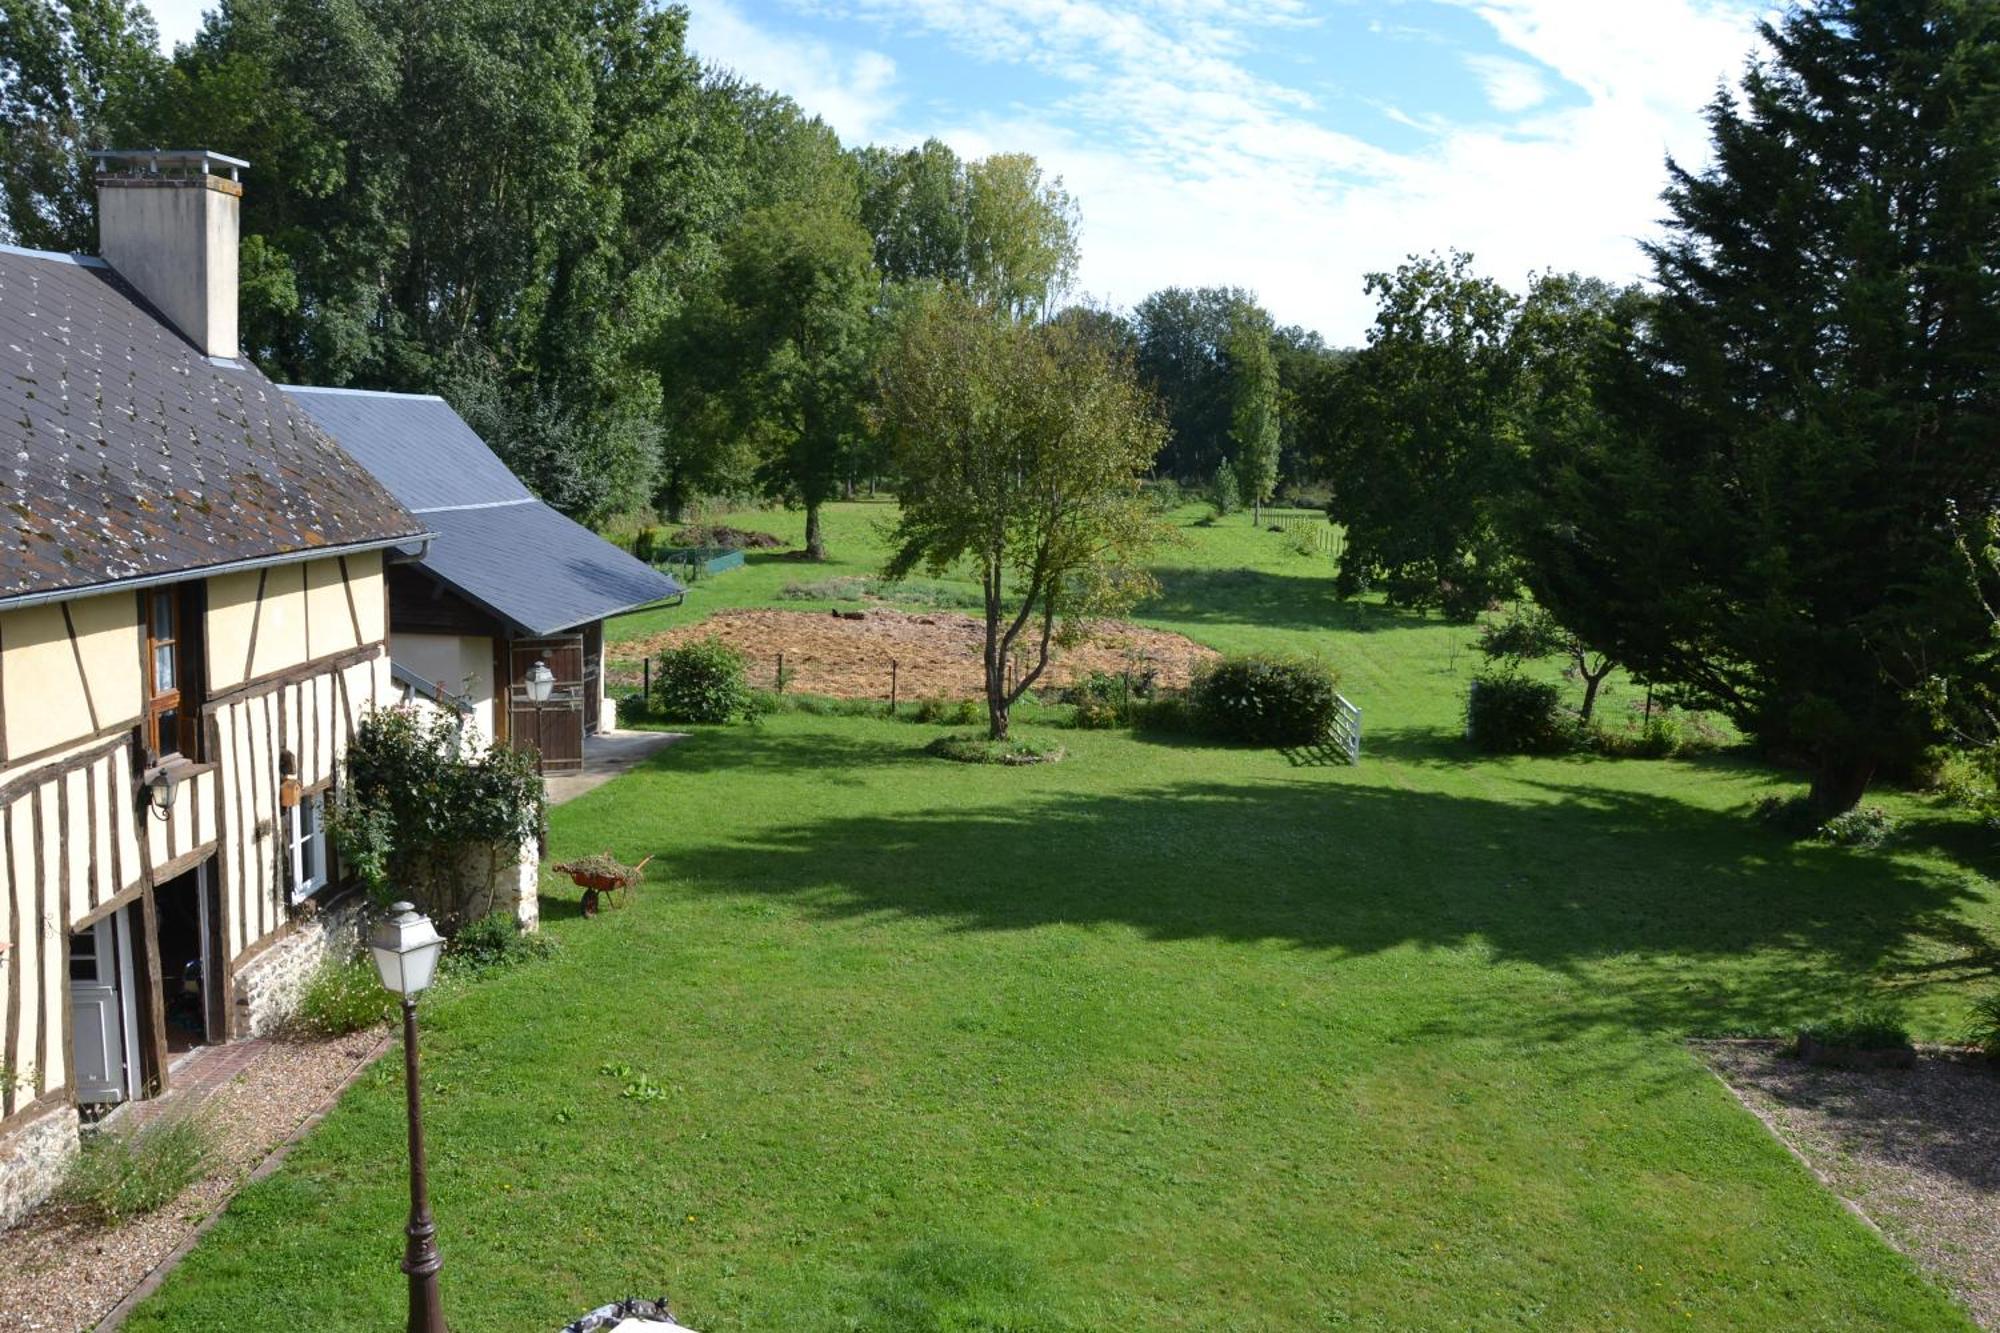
{"type": "Point", "coordinates": [996, 663]}
{"type": "Point", "coordinates": [1590, 685]}
{"type": "Point", "coordinates": [815, 538]}
{"type": "Point", "coordinates": [1839, 783]}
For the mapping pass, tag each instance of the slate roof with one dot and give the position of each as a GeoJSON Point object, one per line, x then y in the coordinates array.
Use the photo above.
{"type": "Point", "coordinates": [129, 456]}
{"type": "Point", "coordinates": [497, 545]}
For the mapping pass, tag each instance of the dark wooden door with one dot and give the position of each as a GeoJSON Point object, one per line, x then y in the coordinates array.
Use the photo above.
{"type": "Point", "coordinates": [556, 727]}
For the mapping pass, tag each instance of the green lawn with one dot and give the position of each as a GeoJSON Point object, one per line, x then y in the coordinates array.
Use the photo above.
{"type": "Point", "coordinates": [1167, 1036]}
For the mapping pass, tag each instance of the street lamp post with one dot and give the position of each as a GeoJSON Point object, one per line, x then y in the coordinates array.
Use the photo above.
{"type": "Point", "coordinates": [541, 684]}
{"type": "Point", "coordinates": [406, 946]}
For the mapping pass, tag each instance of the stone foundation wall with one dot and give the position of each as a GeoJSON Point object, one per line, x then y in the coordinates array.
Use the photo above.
{"type": "Point", "coordinates": [33, 1158]}
{"type": "Point", "coordinates": [269, 986]}
{"type": "Point", "coordinates": [497, 882]}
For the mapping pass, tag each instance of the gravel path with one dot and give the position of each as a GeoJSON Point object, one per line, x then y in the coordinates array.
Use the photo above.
{"type": "Point", "coordinates": [57, 1273]}
{"type": "Point", "coordinates": [1913, 1150]}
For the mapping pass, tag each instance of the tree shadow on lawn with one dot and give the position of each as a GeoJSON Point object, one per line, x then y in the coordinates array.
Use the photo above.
{"type": "Point", "coordinates": [1275, 601]}
{"type": "Point", "coordinates": [1669, 917]}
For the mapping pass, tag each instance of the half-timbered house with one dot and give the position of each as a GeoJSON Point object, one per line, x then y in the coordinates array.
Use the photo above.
{"type": "Point", "coordinates": [193, 615]}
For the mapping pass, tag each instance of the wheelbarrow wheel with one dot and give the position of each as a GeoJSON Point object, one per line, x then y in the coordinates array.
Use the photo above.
{"type": "Point", "coordinates": [590, 902]}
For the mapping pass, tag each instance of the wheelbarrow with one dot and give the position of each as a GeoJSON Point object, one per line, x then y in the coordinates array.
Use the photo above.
{"type": "Point", "coordinates": [596, 885]}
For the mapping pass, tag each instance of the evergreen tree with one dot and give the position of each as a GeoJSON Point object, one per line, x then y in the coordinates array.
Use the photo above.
{"type": "Point", "coordinates": [1756, 501]}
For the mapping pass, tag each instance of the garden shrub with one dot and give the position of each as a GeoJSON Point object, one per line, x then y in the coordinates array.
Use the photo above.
{"type": "Point", "coordinates": [1163, 494]}
{"type": "Point", "coordinates": [1225, 493]}
{"type": "Point", "coordinates": [1508, 713]}
{"type": "Point", "coordinates": [1864, 826]}
{"type": "Point", "coordinates": [649, 543]}
{"type": "Point", "coordinates": [1983, 1029]}
{"type": "Point", "coordinates": [419, 796]}
{"type": "Point", "coordinates": [1870, 1026]}
{"type": "Point", "coordinates": [343, 995]}
{"type": "Point", "coordinates": [633, 709]}
{"type": "Point", "coordinates": [1264, 699]}
{"type": "Point", "coordinates": [1665, 733]}
{"type": "Point", "coordinates": [122, 1175]}
{"type": "Point", "coordinates": [1101, 699]}
{"type": "Point", "coordinates": [1164, 713]}
{"type": "Point", "coordinates": [949, 712]}
{"type": "Point", "coordinates": [982, 750]}
{"type": "Point", "coordinates": [701, 682]}
{"type": "Point", "coordinates": [495, 942]}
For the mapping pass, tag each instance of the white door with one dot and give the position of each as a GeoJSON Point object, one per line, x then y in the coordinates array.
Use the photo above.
{"type": "Point", "coordinates": [100, 1004]}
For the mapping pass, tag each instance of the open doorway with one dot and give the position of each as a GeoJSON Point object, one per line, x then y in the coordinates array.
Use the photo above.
{"type": "Point", "coordinates": [186, 962]}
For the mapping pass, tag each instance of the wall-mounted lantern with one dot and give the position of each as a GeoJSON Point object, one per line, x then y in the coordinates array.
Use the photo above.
{"type": "Point", "coordinates": [161, 789]}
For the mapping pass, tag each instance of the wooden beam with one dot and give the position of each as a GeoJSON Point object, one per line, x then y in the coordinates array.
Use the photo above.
{"type": "Point", "coordinates": [256, 623]}
{"type": "Point", "coordinates": [220, 979]}
{"type": "Point", "coordinates": [8, 1094]}
{"type": "Point", "coordinates": [153, 1047]}
{"type": "Point", "coordinates": [76, 651]}
{"type": "Point", "coordinates": [41, 945]}
{"type": "Point", "coordinates": [278, 680]}
{"type": "Point", "coordinates": [354, 611]}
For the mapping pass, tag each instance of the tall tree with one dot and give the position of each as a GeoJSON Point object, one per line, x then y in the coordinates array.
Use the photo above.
{"type": "Point", "coordinates": [1415, 433]}
{"type": "Point", "coordinates": [793, 307]}
{"type": "Point", "coordinates": [73, 76]}
{"type": "Point", "coordinates": [915, 205]}
{"type": "Point", "coordinates": [1020, 447]}
{"type": "Point", "coordinates": [1253, 420]}
{"type": "Point", "coordinates": [1765, 517]}
{"type": "Point", "coordinates": [1184, 358]}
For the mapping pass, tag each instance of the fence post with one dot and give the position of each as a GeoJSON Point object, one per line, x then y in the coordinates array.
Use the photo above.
{"type": "Point", "coordinates": [893, 667]}
{"type": "Point", "coordinates": [781, 672]}
{"type": "Point", "coordinates": [645, 683]}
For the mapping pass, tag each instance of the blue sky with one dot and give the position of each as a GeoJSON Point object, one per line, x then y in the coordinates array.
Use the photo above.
{"type": "Point", "coordinates": [1281, 145]}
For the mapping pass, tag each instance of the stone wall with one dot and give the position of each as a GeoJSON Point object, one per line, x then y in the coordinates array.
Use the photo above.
{"type": "Point", "coordinates": [496, 881]}
{"type": "Point", "coordinates": [33, 1157]}
{"type": "Point", "coordinates": [269, 985]}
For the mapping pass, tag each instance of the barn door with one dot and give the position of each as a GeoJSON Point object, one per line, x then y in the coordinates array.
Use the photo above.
{"type": "Point", "coordinates": [102, 1011]}
{"type": "Point", "coordinates": [556, 727]}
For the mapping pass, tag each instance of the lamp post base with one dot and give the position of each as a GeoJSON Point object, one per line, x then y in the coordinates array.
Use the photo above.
{"type": "Point", "coordinates": [421, 1260]}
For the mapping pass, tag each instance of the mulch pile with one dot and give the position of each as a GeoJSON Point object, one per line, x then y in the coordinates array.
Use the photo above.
{"type": "Point", "coordinates": [726, 537]}
{"type": "Point", "coordinates": [1911, 1149]}
{"type": "Point", "coordinates": [938, 653]}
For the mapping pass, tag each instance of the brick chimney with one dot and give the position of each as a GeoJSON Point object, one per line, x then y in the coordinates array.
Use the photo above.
{"type": "Point", "coordinates": [168, 222]}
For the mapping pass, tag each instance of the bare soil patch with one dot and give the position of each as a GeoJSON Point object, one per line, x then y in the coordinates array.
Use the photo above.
{"type": "Point", "coordinates": [937, 653]}
{"type": "Point", "coordinates": [58, 1272]}
{"type": "Point", "coordinates": [1912, 1150]}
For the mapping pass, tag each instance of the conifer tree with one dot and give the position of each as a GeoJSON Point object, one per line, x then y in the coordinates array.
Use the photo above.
{"type": "Point", "coordinates": [1755, 504]}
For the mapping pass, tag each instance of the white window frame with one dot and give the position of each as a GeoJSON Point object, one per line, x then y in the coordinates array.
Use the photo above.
{"type": "Point", "coordinates": [307, 848]}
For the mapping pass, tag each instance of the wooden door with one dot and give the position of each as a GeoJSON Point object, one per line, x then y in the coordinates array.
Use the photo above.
{"type": "Point", "coordinates": [101, 1000]}
{"type": "Point", "coordinates": [556, 727]}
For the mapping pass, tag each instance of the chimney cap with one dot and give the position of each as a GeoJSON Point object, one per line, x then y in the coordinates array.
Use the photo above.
{"type": "Point", "coordinates": [160, 161]}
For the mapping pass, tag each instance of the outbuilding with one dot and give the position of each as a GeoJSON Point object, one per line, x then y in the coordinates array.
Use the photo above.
{"type": "Point", "coordinates": [505, 583]}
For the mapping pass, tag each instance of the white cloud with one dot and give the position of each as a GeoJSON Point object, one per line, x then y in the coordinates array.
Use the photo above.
{"type": "Point", "coordinates": [853, 91]}
{"type": "Point", "coordinates": [1191, 168]}
{"type": "Point", "coordinates": [1510, 85]}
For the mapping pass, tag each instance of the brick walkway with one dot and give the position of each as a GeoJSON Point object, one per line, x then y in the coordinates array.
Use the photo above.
{"type": "Point", "coordinates": [191, 1080]}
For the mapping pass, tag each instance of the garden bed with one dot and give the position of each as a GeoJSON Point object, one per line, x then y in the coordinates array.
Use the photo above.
{"type": "Point", "coordinates": [1911, 1150]}
{"type": "Point", "coordinates": [938, 654]}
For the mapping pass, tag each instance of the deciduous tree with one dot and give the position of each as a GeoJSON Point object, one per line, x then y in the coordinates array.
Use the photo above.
{"type": "Point", "coordinates": [1020, 447]}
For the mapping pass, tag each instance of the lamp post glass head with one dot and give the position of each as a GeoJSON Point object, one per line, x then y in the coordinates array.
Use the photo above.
{"type": "Point", "coordinates": [541, 682]}
{"type": "Point", "coordinates": [405, 946]}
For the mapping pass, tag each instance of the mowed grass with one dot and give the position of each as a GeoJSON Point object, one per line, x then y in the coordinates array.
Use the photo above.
{"type": "Point", "coordinates": [1166, 1036]}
